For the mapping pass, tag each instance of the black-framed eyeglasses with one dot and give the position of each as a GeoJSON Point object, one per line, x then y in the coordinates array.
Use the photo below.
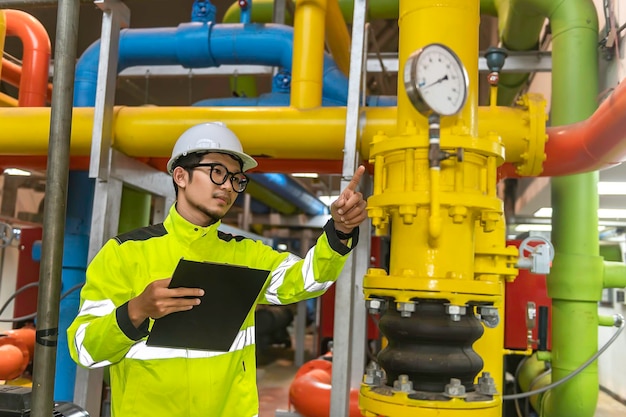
{"type": "Point", "coordinates": [219, 174]}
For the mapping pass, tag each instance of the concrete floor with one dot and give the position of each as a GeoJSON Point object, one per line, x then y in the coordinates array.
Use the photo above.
{"type": "Point", "coordinates": [276, 371]}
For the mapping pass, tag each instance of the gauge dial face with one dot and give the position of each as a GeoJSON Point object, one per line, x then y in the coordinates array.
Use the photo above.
{"type": "Point", "coordinates": [436, 81]}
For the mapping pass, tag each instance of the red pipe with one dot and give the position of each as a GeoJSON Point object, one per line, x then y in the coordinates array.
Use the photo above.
{"type": "Point", "coordinates": [598, 142]}
{"type": "Point", "coordinates": [309, 392]}
{"type": "Point", "coordinates": [12, 74]}
{"type": "Point", "coordinates": [33, 88]}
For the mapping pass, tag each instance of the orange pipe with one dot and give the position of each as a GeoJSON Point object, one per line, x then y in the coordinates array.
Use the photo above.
{"type": "Point", "coordinates": [309, 392]}
{"type": "Point", "coordinates": [33, 88]}
{"type": "Point", "coordinates": [12, 74]}
{"type": "Point", "coordinates": [598, 142]}
{"type": "Point", "coordinates": [15, 353]}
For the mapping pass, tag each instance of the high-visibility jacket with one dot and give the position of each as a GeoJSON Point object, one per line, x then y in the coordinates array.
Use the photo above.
{"type": "Point", "coordinates": [155, 381]}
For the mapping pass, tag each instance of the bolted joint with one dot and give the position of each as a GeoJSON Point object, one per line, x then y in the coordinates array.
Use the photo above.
{"type": "Point", "coordinates": [455, 312]}
{"type": "Point", "coordinates": [374, 375]}
{"type": "Point", "coordinates": [486, 384]}
{"type": "Point", "coordinates": [403, 383]}
{"type": "Point", "coordinates": [375, 305]}
{"type": "Point", "coordinates": [490, 316]}
{"type": "Point", "coordinates": [455, 388]}
{"type": "Point", "coordinates": [406, 309]}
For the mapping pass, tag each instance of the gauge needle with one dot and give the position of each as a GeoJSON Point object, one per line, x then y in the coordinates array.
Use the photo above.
{"type": "Point", "coordinates": [445, 77]}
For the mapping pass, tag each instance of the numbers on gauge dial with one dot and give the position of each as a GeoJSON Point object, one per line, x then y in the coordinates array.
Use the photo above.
{"type": "Point", "coordinates": [441, 80]}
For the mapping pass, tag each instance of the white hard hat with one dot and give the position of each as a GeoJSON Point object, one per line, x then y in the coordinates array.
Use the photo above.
{"type": "Point", "coordinates": [210, 137]}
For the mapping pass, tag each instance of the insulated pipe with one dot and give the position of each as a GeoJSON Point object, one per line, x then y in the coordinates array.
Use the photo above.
{"type": "Point", "coordinates": [12, 74]}
{"type": "Point", "coordinates": [310, 391]}
{"type": "Point", "coordinates": [574, 27]}
{"type": "Point", "coordinates": [199, 45]}
{"type": "Point", "coordinates": [7, 101]}
{"type": "Point", "coordinates": [337, 36]}
{"type": "Point", "coordinates": [308, 40]}
{"type": "Point", "coordinates": [263, 10]}
{"type": "Point", "coordinates": [33, 89]}
{"type": "Point", "coordinates": [150, 132]}
{"type": "Point", "coordinates": [595, 143]}
{"type": "Point", "coordinates": [16, 351]}
{"type": "Point", "coordinates": [519, 30]}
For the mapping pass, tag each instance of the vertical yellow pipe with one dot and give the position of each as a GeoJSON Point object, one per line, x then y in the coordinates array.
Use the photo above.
{"type": "Point", "coordinates": [337, 36]}
{"type": "Point", "coordinates": [308, 54]}
{"type": "Point", "coordinates": [454, 23]}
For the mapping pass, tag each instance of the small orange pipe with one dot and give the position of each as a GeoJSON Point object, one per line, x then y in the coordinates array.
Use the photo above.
{"type": "Point", "coordinates": [14, 356]}
{"type": "Point", "coordinates": [12, 74]}
{"type": "Point", "coordinates": [33, 88]}
{"type": "Point", "coordinates": [598, 142]}
{"type": "Point", "coordinates": [309, 392]}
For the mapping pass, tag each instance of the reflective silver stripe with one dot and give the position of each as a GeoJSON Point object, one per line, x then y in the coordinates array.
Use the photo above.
{"type": "Point", "coordinates": [278, 276]}
{"type": "Point", "coordinates": [141, 351]}
{"type": "Point", "coordinates": [84, 357]}
{"type": "Point", "coordinates": [98, 308]}
{"type": "Point", "coordinates": [310, 284]}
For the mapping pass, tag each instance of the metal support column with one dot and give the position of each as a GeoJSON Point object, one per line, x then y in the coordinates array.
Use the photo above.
{"type": "Point", "coordinates": [108, 190]}
{"type": "Point", "coordinates": [54, 210]}
{"type": "Point", "coordinates": [350, 324]}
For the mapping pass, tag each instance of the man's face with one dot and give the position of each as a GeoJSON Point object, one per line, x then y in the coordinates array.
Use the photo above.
{"type": "Point", "coordinates": [200, 199]}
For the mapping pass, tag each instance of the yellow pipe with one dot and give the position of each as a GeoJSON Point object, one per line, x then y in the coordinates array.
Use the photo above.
{"type": "Point", "coordinates": [6, 100]}
{"type": "Point", "coordinates": [151, 131]}
{"type": "Point", "coordinates": [450, 22]}
{"type": "Point", "coordinates": [165, 123]}
{"type": "Point", "coordinates": [337, 36]}
{"type": "Point", "coordinates": [308, 54]}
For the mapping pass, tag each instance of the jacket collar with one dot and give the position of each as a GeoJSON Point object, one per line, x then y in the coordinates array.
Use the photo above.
{"type": "Point", "coordinates": [182, 228]}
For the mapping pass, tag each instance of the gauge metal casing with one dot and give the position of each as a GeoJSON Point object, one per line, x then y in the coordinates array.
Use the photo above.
{"type": "Point", "coordinates": [436, 81]}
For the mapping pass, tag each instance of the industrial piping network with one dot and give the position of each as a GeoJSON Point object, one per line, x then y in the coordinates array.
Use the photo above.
{"type": "Point", "coordinates": [448, 253]}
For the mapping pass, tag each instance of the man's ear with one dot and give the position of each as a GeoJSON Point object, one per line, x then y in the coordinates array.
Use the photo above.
{"type": "Point", "coordinates": [180, 176]}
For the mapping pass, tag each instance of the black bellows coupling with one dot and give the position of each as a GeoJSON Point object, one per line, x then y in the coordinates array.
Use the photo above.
{"type": "Point", "coordinates": [430, 347]}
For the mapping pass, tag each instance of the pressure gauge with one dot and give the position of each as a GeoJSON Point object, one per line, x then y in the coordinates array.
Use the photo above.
{"type": "Point", "coordinates": [436, 81]}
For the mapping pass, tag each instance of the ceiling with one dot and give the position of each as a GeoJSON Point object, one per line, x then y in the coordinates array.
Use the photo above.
{"type": "Point", "coordinates": [185, 90]}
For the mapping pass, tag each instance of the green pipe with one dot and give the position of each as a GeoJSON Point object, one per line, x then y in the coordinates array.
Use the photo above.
{"type": "Point", "coordinates": [614, 274]}
{"type": "Point", "coordinates": [531, 376]}
{"type": "Point", "coordinates": [575, 282]}
{"type": "Point", "coordinates": [519, 25]}
{"type": "Point", "coordinates": [263, 10]}
{"type": "Point", "coordinates": [134, 210]}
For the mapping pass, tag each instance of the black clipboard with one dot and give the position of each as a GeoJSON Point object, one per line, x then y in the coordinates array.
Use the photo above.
{"type": "Point", "coordinates": [229, 294]}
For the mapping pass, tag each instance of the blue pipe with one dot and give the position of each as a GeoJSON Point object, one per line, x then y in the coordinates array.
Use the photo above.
{"type": "Point", "coordinates": [289, 189]}
{"type": "Point", "coordinates": [282, 99]}
{"type": "Point", "coordinates": [74, 265]}
{"type": "Point", "coordinates": [201, 45]}
{"type": "Point", "coordinates": [264, 100]}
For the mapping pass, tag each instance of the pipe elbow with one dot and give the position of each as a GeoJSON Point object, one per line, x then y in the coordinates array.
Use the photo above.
{"type": "Point", "coordinates": [14, 357]}
{"type": "Point", "coordinates": [310, 391]}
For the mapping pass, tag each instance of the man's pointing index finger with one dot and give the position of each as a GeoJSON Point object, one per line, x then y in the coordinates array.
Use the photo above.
{"type": "Point", "coordinates": [356, 178]}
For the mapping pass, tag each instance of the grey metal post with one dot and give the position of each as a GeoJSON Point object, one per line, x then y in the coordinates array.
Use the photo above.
{"type": "Point", "coordinates": [115, 15]}
{"type": "Point", "coordinates": [44, 363]}
{"type": "Point", "coordinates": [349, 325]}
{"type": "Point", "coordinates": [108, 190]}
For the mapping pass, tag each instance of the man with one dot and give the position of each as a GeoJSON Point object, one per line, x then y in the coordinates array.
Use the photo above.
{"type": "Point", "coordinates": [127, 287]}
